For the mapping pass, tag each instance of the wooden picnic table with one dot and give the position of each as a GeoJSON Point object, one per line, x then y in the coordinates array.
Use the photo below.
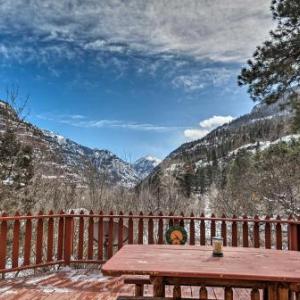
{"type": "Point", "coordinates": [275, 271]}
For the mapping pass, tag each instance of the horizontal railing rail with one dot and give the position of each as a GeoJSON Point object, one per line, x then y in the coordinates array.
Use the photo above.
{"type": "Point", "coordinates": [44, 240]}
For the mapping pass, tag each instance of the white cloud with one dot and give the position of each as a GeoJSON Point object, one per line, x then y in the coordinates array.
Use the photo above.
{"type": "Point", "coordinates": [189, 82]}
{"type": "Point", "coordinates": [206, 126]}
{"type": "Point", "coordinates": [215, 121]}
{"type": "Point", "coordinates": [83, 122]}
{"type": "Point", "coordinates": [195, 134]}
{"type": "Point", "coordinates": [203, 78]}
{"type": "Point", "coordinates": [225, 30]}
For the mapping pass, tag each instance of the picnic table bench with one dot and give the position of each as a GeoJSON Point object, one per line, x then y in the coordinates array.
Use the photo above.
{"type": "Point", "coordinates": [277, 273]}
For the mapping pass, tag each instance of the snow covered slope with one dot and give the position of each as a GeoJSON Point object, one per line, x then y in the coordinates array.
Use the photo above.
{"type": "Point", "coordinates": [263, 126]}
{"type": "Point", "coordinates": [78, 157]}
{"type": "Point", "coordinates": [60, 157]}
{"type": "Point", "coordinates": [145, 165]}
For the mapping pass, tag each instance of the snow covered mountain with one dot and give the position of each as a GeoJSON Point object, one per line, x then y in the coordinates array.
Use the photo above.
{"type": "Point", "coordinates": [57, 157]}
{"type": "Point", "coordinates": [145, 165]}
{"type": "Point", "coordinates": [77, 157]}
{"type": "Point", "coordinates": [199, 160]}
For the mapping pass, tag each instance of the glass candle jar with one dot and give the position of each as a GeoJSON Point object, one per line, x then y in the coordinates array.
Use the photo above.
{"type": "Point", "coordinates": [217, 243]}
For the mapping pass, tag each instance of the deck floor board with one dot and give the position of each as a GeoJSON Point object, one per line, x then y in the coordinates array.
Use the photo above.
{"type": "Point", "coordinates": [87, 285]}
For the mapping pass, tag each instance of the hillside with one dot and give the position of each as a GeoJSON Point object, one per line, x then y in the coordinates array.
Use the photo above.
{"type": "Point", "coordinates": [58, 157]}
{"type": "Point", "coordinates": [200, 171]}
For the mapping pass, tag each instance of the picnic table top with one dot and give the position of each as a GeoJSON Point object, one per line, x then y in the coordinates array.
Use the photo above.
{"type": "Point", "coordinates": [249, 264]}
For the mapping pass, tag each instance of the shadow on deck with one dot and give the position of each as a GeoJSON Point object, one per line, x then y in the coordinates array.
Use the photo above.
{"type": "Point", "coordinates": [87, 285]}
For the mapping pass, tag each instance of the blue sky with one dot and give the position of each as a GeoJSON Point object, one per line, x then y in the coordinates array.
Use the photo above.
{"type": "Point", "coordinates": [135, 77]}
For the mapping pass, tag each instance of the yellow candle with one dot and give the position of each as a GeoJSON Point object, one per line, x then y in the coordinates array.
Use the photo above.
{"type": "Point", "coordinates": [217, 246]}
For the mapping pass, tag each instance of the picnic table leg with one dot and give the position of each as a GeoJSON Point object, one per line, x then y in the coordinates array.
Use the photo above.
{"type": "Point", "coordinates": [283, 293]}
{"type": "Point", "coordinates": [158, 287]}
{"type": "Point", "coordinates": [255, 294]}
{"type": "Point", "coordinates": [228, 293]}
{"type": "Point", "coordinates": [265, 294]}
{"type": "Point", "coordinates": [272, 292]}
{"type": "Point", "coordinates": [177, 292]}
{"type": "Point", "coordinates": [203, 293]}
{"type": "Point", "coordinates": [139, 290]}
{"type": "Point", "coordinates": [297, 295]}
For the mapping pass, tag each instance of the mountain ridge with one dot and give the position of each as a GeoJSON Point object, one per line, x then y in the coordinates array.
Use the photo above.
{"type": "Point", "coordinates": [199, 160]}
{"type": "Point", "coordinates": [67, 158]}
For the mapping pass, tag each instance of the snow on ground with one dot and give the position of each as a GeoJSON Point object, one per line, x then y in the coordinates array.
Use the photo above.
{"type": "Point", "coordinates": [38, 279]}
{"type": "Point", "coordinates": [75, 276]}
{"type": "Point", "coordinates": [52, 176]}
{"type": "Point", "coordinates": [266, 144]}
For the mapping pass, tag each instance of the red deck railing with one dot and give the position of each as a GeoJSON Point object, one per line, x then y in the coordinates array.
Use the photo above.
{"type": "Point", "coordinates": [32, 241]}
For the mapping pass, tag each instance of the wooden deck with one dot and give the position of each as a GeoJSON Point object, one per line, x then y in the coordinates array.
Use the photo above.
{"type": "Point", "coordinates": [86, 285]}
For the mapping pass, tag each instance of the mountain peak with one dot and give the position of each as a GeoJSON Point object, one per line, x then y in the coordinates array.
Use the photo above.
{"type": "Point", "coordinates": [145, 165]}
{"type": "Point", "coordinates": [149, 158]}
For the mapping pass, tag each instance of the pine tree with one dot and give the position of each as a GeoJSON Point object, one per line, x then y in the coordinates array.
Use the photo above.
{"type": "Point", "coordinates": [296, 120]}
{"type": "Point", "coordinates": [16, 161]}
{"type": "Point", "coordinates": [274, 70]}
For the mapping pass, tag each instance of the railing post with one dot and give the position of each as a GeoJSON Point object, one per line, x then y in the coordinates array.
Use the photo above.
{"type": "Point", "coordinates": [100, 236]}
{"type": "Point", "coordinates": [298, 234]}
{"type": "Point", "coordinates": [181, 222]}
{"type": "Point", "coordinates": [171, 221]}
{"type": "Point", "coordinates": [3, 239]}
{"type": "Point", "coordinates": [60, 238]}
{"type": "Point", "coordinates": [50, 237]}
{"type": "Point", "coordinates": [91, 236]}
{"type": "Point", "coordinates": [80, 236]}
{"type": "Point", "coordinates": [256, 235]}
{"type": "Point", "coordinates": [234, 239]}
{"type": "Point", "coordinates": [160, 229]}
{"type": "Point", "coordinates": [68, 238]}
{"type": "Point", "coordinates": [267, 233]}
{"type": "Point", "coordinates": [120, 231]}
{"type": "Point", "coordinates": [224, 230]}
{"type": "Point", "coordinates": [72, 229]}
{"type": "Point", "coordinates": [130, 229]}
{"type": "Point", "coordinates": [202, 230]}
{"type": "Point", "coordinates": [16, 242]}
{"type": "Point", "coordinates": [150, 230]}
{"type": "Point", "coordinates": [245, 232]}
{"type": "Point", "coordinates": [39, 239]}
{"type": "Point", "coordinates": [192, 230]}
{"type": "Point", "coordinates": [278, 234]}
{"type": "Point", "coordinates": [212, 228]}
{"type": "Point", "coordinates": [110, 246]}
{"type": "Point", "coordinates": [292, 235]}
{"type": "Point", "coordinates": [141, 229]}
{"type": "Point", "coordinates": [27, 241]}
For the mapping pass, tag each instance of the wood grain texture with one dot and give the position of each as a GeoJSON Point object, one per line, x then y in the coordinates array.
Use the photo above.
{"type": "Point", "coordinates": [234, 233]}
{"type": "Point", "coordinates": [203, 293]}
{"type": "Point", "coordinates": [3, 244]}
{"type": "Point", "coordinates": [196, 261]}
{"type": "Point", "coordinates": [16, 243]}
{"type": "Point", "coordinates": [158, 287]}
{"type": "Point", "coordinates": [66, 285]}
{"type": "Point", "coordinates": [255, 294]}
{"type": "Point", "coordinates": [50, 238]}
{"type": "Point", "coordinates": [39, 240]}
{"type": "Point", "coordinates": [27, 242]}
{"type": "Point", "coordinates": [177, 292]}
{"type": "Point", "coordinates": [228, 293]}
